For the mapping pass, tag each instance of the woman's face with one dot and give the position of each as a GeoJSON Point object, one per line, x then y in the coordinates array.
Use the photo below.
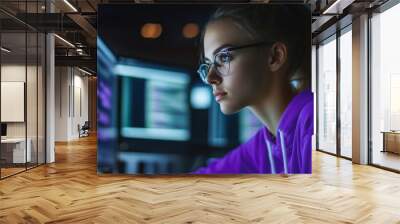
{"type": "Point", "coordinates": [247, 80]}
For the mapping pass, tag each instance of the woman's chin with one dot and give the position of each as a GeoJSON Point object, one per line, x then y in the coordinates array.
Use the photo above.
{"type": "Point", "coordinates": [228, 109]}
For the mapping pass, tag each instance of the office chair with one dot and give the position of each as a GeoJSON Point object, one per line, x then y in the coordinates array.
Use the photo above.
{"type": "Point", "coordinates": [84, 130]}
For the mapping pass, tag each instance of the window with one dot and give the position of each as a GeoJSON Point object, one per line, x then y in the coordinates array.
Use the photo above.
{"type": "Point", "coordinates": [385, 88]}
{"type": "Point", "coordinates": [327, 96]}
{"type": "Point", "coordinates": [346, 93]}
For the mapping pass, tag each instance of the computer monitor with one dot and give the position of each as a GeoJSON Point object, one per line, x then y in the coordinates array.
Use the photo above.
{"type": "Point", "coordinates": [3, 129]}
{"type": "Point", "coordinates": [154, 118]}
{"type": "Point", "coordinates": [154, 102]}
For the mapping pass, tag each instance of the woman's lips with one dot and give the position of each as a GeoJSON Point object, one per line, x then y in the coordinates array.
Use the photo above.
{"type": "Point", "coordinates": [219, 95]}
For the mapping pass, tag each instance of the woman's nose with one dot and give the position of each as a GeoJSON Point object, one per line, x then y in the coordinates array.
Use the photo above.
{"type": "Point", "coordinates": [213, 77]}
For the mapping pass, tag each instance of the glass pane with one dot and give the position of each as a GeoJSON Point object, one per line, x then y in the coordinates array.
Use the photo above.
{"type": "Point", "coordinates": [386, 89]}
{"type": "Point", "coordinates": [345, 94]}
{"type": "Point", "coordinates": [31, 97]}
{"type": "Point", "coordinates": [327, 96]}
{"type": "Point", "coordinates": [31, 84]}
{"type": "Point", "coordinates": [41, 98]}
{"type": "Point", "coordinates": [13, 87]}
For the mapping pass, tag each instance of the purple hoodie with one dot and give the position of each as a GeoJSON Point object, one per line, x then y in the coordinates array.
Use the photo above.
{"type": "Point", "coordinates": [289, 152]}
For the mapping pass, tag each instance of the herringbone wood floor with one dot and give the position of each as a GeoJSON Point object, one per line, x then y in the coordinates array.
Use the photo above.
{"type": "Point", "coordinates": [70, 191]}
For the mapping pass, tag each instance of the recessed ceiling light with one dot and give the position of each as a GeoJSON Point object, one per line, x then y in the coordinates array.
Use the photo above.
{"type": "Point", "coordinates": [190, 30]}
{"type": "Point", "coordinates": [151, 30]}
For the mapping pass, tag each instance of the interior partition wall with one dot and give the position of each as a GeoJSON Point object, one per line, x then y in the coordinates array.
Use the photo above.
{"type": "Point", "coordinates": [22, 76]}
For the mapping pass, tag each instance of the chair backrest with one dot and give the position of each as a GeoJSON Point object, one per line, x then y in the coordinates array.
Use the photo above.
{"type": "Point", "coordinates": [86, 125]}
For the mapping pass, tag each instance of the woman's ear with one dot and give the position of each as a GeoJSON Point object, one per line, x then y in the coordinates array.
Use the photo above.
{"type": "Point", "coordinates": [278, 56]}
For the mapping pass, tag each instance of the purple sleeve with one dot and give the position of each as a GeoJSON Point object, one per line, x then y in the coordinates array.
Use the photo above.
{"type": "Point", "coordinates": [307, 118]}
{"type": "Point", "coordinates": [306, 155]}
{"type": "Point", "coordinates": [242, 159]}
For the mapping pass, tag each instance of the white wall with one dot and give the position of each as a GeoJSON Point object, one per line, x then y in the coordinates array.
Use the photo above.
{"type": "Point", "coordinates": [13, 72]}
{"type": "Point", "coordinates": [33, 126]}
{"type": "Point", "coordinates": [81, 85]}
{"type": "Point", "coordinates": [9, 73]}
{"type": "Point", "coordinates": [61, 103]}
{"type": "Point", "coordinates": [71, 93]}
{"type": "Point", "coordinates": [16, 73]}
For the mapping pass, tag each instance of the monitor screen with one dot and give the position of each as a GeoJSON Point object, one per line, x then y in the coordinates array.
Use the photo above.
{"type": "Point", "coordinates": [147, 110]}
{"type": "Point", "coordinates": [106, 114]}
{"type": "Point", "coordinates": [3, 129]}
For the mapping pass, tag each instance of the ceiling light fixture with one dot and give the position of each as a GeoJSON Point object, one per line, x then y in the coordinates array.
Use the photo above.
{"type": "Point", "coordinates": [84, 71]}
{"type": "Point", "coordinates": [5, 50]}
{"type": "Point", "coordinates": [65, 41]}
{"type": "Point", "coordinates": [70, 5]}
{"type": "Point", "coordinates": [337, 7]}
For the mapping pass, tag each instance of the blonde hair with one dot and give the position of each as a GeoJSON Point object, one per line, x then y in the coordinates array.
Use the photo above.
{"type": "Point", "coordinates": [289, 24]}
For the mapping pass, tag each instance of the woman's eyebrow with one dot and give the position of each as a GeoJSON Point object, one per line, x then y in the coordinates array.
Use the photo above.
{"type": "Point", "coordinates": [221, 48]}
{"type": "Point", "coordinates": [218, 50]}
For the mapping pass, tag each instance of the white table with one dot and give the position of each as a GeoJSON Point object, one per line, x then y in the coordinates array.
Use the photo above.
{"type": "Point", "coordinates": [18, 145]}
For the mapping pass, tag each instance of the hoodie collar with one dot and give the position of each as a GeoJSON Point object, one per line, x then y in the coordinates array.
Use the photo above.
{"type": "Point", "coordinates": [289, 117]}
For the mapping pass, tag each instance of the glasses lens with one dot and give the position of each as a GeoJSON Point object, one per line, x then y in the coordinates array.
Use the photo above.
{"type": "Point", "coordinates": [222, 60]}
{"type": "Point", "coordinates": [223, 70]}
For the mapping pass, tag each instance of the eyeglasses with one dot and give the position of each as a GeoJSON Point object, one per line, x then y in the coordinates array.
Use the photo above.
{"type": "Point", "coordinates": [222, 61]}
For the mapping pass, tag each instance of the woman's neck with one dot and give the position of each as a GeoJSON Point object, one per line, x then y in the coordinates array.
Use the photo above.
{"type": "Point", "coordinates": [270, 109]}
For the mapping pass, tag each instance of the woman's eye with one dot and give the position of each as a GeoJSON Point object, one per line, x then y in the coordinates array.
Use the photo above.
{"type": "Point", "coordinates": [224, 58]}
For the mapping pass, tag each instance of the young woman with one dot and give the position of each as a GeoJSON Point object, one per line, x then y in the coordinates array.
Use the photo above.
{"type": "Point", "coordinates": [258, 57]}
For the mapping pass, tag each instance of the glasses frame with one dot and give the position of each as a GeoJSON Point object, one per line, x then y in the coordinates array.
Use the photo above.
{"type": "Point", "coordinates": [203, 75]}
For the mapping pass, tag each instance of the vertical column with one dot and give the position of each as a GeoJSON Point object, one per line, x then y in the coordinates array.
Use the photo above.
{"type": "Point", "coordinates": [50, 92]}
{"type": "Point", "coordinates": [360, 90]}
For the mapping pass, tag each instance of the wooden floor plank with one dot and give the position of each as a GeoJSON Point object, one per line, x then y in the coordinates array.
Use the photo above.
{"type": "Point", "coordinates": [70, 191]}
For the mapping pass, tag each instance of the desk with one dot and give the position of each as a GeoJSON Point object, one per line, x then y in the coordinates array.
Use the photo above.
{"type": "Point", "coordinates": [391, 141]}
{"type": "Point", "coordinates": [16, 147]}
